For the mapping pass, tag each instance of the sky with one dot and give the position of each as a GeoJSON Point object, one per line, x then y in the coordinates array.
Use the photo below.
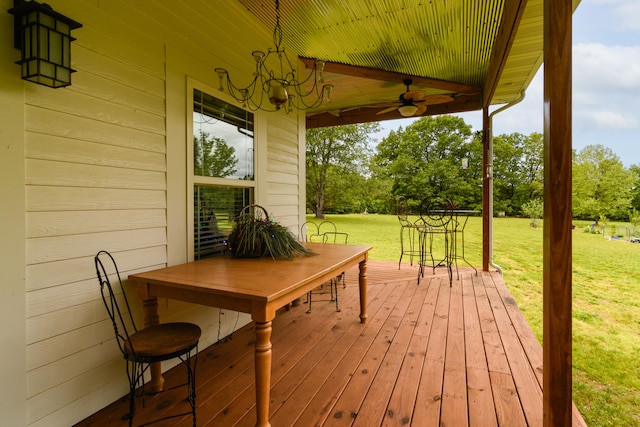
{"type": "Point", "coordinates": [606, 84]}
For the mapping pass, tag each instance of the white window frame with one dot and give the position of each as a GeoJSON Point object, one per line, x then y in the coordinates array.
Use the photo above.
{"type": "Point", "coordinates": [192, 179]}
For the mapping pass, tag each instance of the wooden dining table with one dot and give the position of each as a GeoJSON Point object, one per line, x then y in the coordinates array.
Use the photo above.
{"type": "Point", "coordinates": [259, 286]}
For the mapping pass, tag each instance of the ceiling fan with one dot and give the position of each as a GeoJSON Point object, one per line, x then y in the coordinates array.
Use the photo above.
{"type": "Point", "coordinates": [414, 102]}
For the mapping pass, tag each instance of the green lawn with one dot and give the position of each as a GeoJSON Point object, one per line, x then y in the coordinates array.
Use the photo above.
{"type": "Point", "coordinates": [606, 302]}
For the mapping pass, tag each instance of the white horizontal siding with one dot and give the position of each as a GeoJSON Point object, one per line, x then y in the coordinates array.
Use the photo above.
{"type": "Point", "coordinates": [48, 224]}
{"type": "Point", "coordinates": [55, 273]}
{"type": "Point", "coordinates": [45, 198]}
{"type": "Point", "coordinates": [103, 110]}
{"type": "Point", "coordinates": [45, 352]}
{"type": "Point", "coordinates": [283, 171]}
{"type": "Point", "coordinates": [43, 172]}
{"type": "Point", "coordinates": [48, 249]}
{"type": "Point", "coordinates": [97, 177]}
{"type": "Point", "coordinates": [88, 388]}
{"type": "Point", "coordinates": [54, 148]}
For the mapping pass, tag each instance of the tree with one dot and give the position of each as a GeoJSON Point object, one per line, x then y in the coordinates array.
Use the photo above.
{"type": "Point", "coordinates": [425, 160]}
{"type": "Point", "coordinates": [533, 162]}
{"type": "Point", "coordinates": [635, 190]}
{"type": "Point", "coordinates": [335, 151]}
{"type": "Point", "coordinates": [517, 171]}
{"type": "Point", "coordinates": [534, 209]}
{"type": "Point", "coordinates": [601, 186]}
{"type": "Point", "coordinates": [212, 156]}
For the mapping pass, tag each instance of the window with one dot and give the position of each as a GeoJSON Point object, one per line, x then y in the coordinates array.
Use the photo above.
{"type": "Point", "coordinates": [223, 170]}
{"type": "Point", "coordinates": [222, 139]}
{"type": "Point", "coordinates": [215, 210]}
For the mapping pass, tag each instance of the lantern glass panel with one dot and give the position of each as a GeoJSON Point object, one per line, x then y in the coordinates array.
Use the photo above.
{"type": "Point", "coordinates": [44, 37]}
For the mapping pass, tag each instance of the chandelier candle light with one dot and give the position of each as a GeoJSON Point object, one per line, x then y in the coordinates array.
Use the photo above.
{"type": "Point", "coordinates": [275, 80]}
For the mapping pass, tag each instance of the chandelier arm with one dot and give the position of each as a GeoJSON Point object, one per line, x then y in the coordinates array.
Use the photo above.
{"type": "Point", "coordinates": [323, 94]}
{"type": "Point", "coordinates": [241, 94]}
{"type": "Point", "coordinates": [278, 80]}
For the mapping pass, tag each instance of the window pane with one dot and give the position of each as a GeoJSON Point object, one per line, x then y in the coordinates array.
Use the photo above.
{"type": "Point", "coordinates": [215, 210]}
{"type": "Point", "coordinates": [222, 139]}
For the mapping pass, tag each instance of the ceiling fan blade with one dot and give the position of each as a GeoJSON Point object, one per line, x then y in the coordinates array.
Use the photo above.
{"type": "Point", "coordinates": [414, 95]}
{"type": "Point", "coordinates": [422, 108]}
{"type": "Point", "coordinates": [387, 110]}
{"type": "Point", "coordinates": [435, 99]}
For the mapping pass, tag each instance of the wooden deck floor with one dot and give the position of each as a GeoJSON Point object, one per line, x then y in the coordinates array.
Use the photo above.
{"type": "Point", "coordinates": [428, 355]}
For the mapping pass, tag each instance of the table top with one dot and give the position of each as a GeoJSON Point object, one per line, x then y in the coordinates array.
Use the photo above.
{"type": "Point", "coordinates": [257, 279]}
{"type": "Point", "coordinates": [457, 211]}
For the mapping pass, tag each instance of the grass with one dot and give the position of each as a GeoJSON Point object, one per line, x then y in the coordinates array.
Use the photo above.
{"type": "Point", "coordinates": [606, 302]}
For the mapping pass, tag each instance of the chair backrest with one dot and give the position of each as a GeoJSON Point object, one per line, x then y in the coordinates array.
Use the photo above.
{"type": "Point", "coordinates": [330, 233]}
{"type": "Point", "coordinates": [309, 233]}
{"type": "Point", "coordinates": [436, 212]}
{"type": "Point", "coordinates": [122, 319]}
{"type": "Point", "coordinates": [402, 210]}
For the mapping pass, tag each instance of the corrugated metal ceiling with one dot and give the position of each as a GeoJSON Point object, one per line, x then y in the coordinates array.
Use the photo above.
{"type": "Point", "coordinates": [442, 40]}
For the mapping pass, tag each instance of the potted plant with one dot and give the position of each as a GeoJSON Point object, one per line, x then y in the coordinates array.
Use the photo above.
{"type": "Point", "coordinates": [256, 235]}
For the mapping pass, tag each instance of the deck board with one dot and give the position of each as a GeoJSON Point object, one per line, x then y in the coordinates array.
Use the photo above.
{"type": "Point", "coordinates": [428, 355]}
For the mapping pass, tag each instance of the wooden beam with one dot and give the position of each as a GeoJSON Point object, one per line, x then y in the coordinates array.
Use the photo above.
{"type": "Point", "coordinates": [487, 188]}
{"type": "Point", "coordinates": [511, 16]}
{"type": "Point", "coordinates": [389, 76]}
{"type": "Point", "coordinates": [557, 352]}
{"type": "Point", "coordinates": [366, 115]}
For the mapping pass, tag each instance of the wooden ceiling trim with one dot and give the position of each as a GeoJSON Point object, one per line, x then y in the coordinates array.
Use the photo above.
{"type": "Point", "coordinates": [389, 76]}
{"type": "Point", "coordinates": [511, 17]}
{"type": "Point", "coordinates": [462, 103]}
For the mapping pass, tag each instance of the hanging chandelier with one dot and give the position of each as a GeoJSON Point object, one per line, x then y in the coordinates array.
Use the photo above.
{"type": "Point", "coordinates": [275, 80]}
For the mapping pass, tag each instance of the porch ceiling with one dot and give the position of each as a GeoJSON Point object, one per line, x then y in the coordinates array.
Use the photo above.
{"type": "Point", "coordinates": [480, 52]}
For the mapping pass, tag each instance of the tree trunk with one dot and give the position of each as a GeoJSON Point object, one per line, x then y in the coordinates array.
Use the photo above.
{"type": "Point", "coordinates": [320, 200]}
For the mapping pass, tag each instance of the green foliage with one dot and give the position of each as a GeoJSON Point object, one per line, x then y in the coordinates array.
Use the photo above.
{"type": "Point", "coordinates": [635, 190]}
{"type": "Point", "coordinates": [424, 160]}
{"type": "Point", "coordinates": [257, 235]}
{"type": "Point", "coordinates": [534, 209]}
{"type": "Point", "coordinates": [517, 171]}
{"type": "Point", "coordinates": [601, 185]}
{"type": "Point", "coordinates": [333, 155]}
{"type": "Point", "coordinates": [212, 156]}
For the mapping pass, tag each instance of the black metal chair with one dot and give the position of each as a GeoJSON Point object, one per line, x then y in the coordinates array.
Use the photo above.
{"type": "Point", "coordinates": [331, 234]}
{"type": "Point", "coordinates": [435, 222]}
{"type": "Point", "coordinates": [407, 228]}
{"type": "Point", "coordinates": [309, 233]}
{"type": "Point", "coordinates": [143, 347]}
{"type": "Point", "coordinates": [325, 232]}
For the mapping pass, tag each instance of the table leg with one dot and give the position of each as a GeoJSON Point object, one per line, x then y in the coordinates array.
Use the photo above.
{"type": "Point", "coordinates": [151, 317]}
{"type": "Point", "coordinates": [263, 372]}
{"type": "Point", "coordinates": [362, 283]}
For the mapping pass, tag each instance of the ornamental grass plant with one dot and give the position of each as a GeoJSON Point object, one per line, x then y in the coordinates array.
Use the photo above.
{"type": "Point", "coordinates": [256, 235]}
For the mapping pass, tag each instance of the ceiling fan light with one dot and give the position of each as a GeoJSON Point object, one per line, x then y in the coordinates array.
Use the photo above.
{"type": "Point", "coordinates": [407, 110]}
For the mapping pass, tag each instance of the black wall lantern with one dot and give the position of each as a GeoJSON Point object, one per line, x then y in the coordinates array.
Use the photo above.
{"type": "Point", "coordinates": [44, 38]}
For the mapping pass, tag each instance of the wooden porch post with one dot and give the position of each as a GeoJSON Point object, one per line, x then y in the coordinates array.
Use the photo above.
{"type": "Point", "coordinates": [557, 382]}
{"type": "Point", "coordinates": [487, 188]}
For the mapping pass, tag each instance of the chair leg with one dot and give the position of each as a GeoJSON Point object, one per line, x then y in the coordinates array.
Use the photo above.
{"type": "Point", "coordinates": [309, 294]}
{"type": "Point", "coordinates": [135, 374]}
{"type": "Point", "coordinates": [334, 284]}
{"type": "Point", "coordinates": [401, 246]}
{"type": "Point", "coordinates": [132, 374]}
{"type": "Point", "coordinates": [191, 379]}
